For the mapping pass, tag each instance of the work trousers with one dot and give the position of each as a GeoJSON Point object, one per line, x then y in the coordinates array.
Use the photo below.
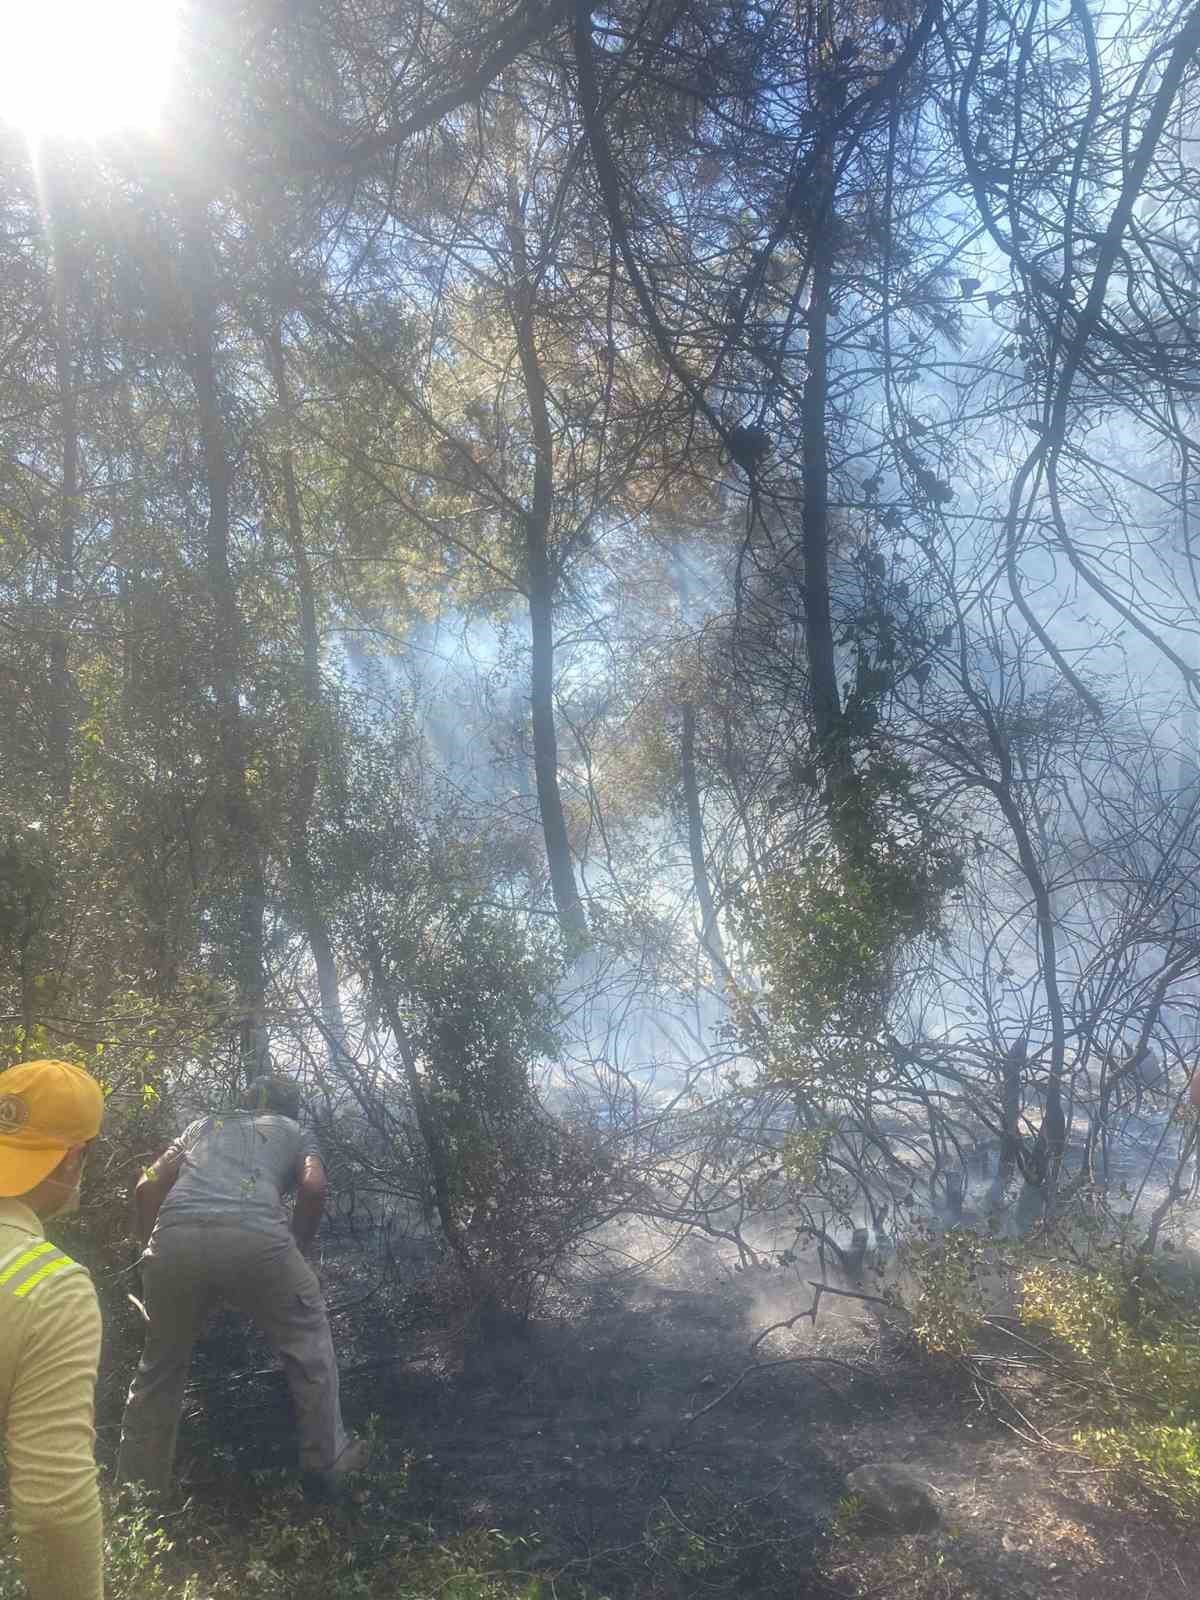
{"type": "Point", "coordinates": [188, 1268]}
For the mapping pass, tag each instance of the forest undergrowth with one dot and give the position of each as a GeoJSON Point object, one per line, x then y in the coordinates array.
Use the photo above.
{"type": "Point", "coordinates": [631, 1443]}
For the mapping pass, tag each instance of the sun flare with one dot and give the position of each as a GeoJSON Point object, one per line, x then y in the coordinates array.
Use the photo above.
{"type": "Point", "coordinates": [81, 68]}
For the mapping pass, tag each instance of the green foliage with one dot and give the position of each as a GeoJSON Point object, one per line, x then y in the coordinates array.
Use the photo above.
{"type": "Point", "coordinates": [949, 1303]}
{"type": "Point", "coordinates": [26, 884]}
{"type": "Point", "coordinates": [802, 1155]}
{"type": "Point", "coordinates": [1129, 1330]}
{"type": "Point", "coordinates": [136, 1546]}
{"type": "Point", "coordinates": [847, 1516]}
{"type": "Point", "coordinates": [281, 1551]}
{"type": "Point", "coordinates": [1138, 1340]}
{"type": "Point", "coordinates": [1164, 1456]}
{"type": "Point", "coordinates": [826, 930]}
{"type": "Point", "coordinates": [523, 1185]}
{"type": "Point", "coordinates": [685, 1548]}
{"type": "Point", "coordinates": [488, 1018]}
{"type": "Point", "coordinates": [457, 1119]}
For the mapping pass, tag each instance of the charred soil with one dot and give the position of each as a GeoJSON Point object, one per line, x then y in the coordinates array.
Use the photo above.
{"type": "Point", "coordinates": [627, 1443]}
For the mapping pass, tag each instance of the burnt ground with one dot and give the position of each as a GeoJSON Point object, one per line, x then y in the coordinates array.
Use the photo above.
{"type": "Point", "coordinates": [588, 1436]}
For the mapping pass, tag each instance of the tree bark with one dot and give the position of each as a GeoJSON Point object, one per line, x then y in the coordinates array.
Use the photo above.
{"type": "Point", "coordinates": [62, 717]}
{"type": "Point", "coordinates": [541, 579]}
{"type": "Point", "coordinates": [241, 822]}
{"type": "Point", "coordinates": [427, 1124]}
{"type": "Point", "coordinates": [818, 622]}
{"type": "Point", "coordinates": [710, 930]}
{"type": "Point", "coordinates": [316, 927]}
{"type": "Point", "coordinates": [818, 630]}
{"type": "Point", "coordinates": [1050, 1144]}
{"type": "Point", "coordinates": [1012, 1069]}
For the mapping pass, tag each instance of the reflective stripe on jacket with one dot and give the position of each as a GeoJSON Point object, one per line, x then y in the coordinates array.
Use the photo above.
{"type": "Point", "coordinates": [49, 1356]}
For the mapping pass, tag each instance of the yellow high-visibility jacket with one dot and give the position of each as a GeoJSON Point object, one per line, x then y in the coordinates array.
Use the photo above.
{"type": "Point", "coordinates": [49, 1356]}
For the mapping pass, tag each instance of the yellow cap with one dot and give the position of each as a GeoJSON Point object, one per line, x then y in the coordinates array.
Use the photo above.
{"type": "Point", "coordinates": [46, 1107]}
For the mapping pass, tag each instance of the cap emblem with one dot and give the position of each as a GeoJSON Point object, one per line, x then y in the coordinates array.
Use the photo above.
{"type": "Point", "coordinates": [14, 1113]}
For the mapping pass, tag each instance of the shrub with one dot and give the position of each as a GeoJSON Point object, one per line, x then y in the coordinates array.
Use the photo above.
{"type": "Point", "coordinates": [457, 1120]}
{"type": "Point", "coordinates": [1138, 1340]}
{"type": "Point", "coordinates": [279, 1551]}
{"type": "Point", "coordinates": [1130, 1334]}
{"type": "Point", "coordinates": [949, 1304]}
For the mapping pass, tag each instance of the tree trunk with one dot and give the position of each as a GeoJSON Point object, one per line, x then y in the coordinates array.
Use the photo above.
{"type": "Point", "coordinates": [242, 829]}
{"type": "Point", "coordinates": [1050, 1144]}
{"type": "Point", "coordinates": [818, 622]}
{"type": "Point", "coordinates": [62, 718]}
{"type": "Point", "coordinates": [315, 925]}
{"type": "Point", "coordinates": [1012, 1069]}
{"type": "Point", "coordinates": [427, 1124]}
{"type": "Point", "coordinates": [541, 582]}
{"type": "Point", "coordinates": [710, 931]}
{"type": "Point", "coordinates": [818, 630]}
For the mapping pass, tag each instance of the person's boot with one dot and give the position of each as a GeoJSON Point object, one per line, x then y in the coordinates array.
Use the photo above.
{"type": "Point", "coordinates": [331, 1483]}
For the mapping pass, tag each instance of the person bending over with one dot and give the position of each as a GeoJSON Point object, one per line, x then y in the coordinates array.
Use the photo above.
{"type": "Point", "coordinates": [213, 1226]}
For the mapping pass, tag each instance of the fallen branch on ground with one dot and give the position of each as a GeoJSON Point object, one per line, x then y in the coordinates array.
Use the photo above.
{"type": "Point", "coordinates": [811, 1311]}
{"type": "Point", "coordinates": [764, 1366]}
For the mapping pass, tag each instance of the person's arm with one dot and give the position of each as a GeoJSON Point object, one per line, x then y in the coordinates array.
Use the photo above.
{"type": "Point", "coordinates": [152, 1189]}
{"type": "Point", "coordinates": [311, 1189]}
{"type": "Point", "coordinates": [51, 1456]}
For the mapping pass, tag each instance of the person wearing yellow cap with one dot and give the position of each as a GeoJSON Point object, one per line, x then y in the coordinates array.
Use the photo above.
{"type": "Point", "coordinates": [50, 1111]}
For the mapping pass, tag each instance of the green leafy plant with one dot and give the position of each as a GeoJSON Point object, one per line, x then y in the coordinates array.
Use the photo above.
{"type": "Point", "coordinates": [1138, 1339]}
{"type": "Point", "coordinates": [826, 930]}
{"type": "Point", "coordinates": [1123, 1328]}
{"type": "Point", "coordinates": [135, 1549]}
{"type": "Point", "coordinates": [948, 1305]}
{"type": "Point", "coordinates": [846, 1517]}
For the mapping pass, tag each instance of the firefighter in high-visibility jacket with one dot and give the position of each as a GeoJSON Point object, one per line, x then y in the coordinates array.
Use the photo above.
{"type": "Point", "coordinates": [50, 1111]}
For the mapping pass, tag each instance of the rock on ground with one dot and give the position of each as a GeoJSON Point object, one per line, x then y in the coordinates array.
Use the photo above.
{"type": "Point", "coordinates": [893, 1499]}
